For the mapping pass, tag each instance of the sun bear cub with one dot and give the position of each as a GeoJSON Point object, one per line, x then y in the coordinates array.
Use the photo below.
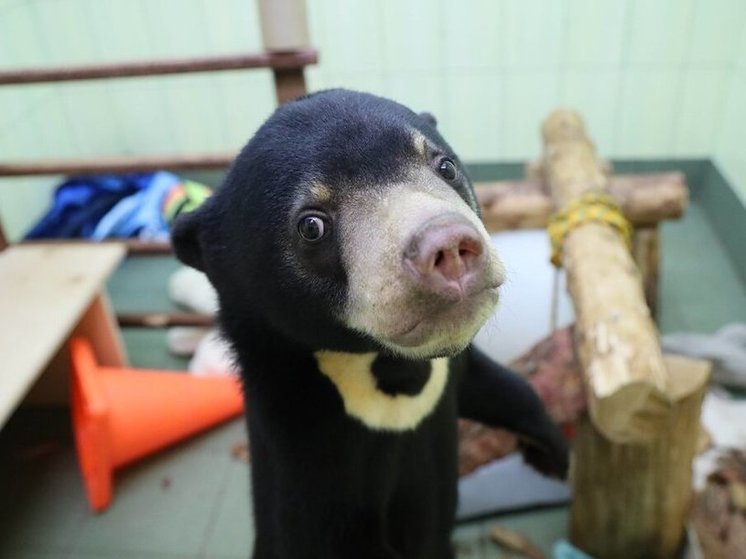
{"type": "Point", "coordinates": [352, 272]}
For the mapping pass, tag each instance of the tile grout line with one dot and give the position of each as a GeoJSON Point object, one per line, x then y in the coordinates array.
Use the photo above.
{"type": "Point", "coordinates": [213, 518]}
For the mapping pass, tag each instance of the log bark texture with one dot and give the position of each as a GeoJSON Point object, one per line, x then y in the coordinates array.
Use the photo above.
{"type": "Point", "coordinates": [527, 204]}
{"type": "Point", "coordinates": [617, 341]}
{"type": "Point", "coordinates": [631, 501]}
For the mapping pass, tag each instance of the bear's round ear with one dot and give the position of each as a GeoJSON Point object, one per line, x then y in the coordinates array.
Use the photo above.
{"type": "Point", "coordinates": [185, 238]}
{"type": "Point", "coordinates": [429, 118]}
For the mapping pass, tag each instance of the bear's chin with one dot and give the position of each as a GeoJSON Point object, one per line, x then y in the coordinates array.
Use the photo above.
{"type": "Point", "coordinates": [446, 333]}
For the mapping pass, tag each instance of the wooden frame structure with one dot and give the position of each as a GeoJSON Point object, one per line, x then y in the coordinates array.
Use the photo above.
{"type": "Point", "coordinates": [287, 52]}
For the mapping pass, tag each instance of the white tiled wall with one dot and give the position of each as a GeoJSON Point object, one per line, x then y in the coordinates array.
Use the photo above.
{"type": "Point", "coordinates": [653, 78]}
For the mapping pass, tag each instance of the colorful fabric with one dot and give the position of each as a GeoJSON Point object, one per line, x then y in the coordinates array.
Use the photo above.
{"type": "Point", "coordinates": [186, 197]}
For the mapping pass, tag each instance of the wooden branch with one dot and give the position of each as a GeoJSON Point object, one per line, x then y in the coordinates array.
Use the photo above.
{"type": "Point", "coordinates": [274, 60]}
{"type": "Point", "coordinates": [631, 501]}
{"type": "Point", "coordinates": [527, 204]}
{"type": "Point", "coordinates": [616, 338]}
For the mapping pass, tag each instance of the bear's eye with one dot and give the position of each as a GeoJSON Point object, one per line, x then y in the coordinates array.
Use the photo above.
{"type": "Point", "coordinates": [447, 169]}
{"type": "Point", "coordinates": [312, 228]}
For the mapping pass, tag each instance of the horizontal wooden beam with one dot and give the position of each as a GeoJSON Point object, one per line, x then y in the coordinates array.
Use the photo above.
{"type": "Point", "coordinates": [273, 60]}
{"type": "Point", "coordinates": [526, 204]}
{"type": "Point", "coordinates": [164, 319]}
{"type": "Point", "coordinates": [115, 164]}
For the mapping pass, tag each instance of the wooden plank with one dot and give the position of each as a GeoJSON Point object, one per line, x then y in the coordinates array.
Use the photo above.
{"type": "Point", "coordinates": [99, 326]}
{"type": "Point", "coordinates": [275, 60]}
{"type": "Point", "coordinates": [165, 319]}
{"type": "Point", "coordinates": [115, 164]}
{"type": "Point", "coordinates": [45, 292]}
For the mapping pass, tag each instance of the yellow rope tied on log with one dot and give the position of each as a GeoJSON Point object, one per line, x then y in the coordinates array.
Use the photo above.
{"type": "Point", "coordinates": [590, 207]}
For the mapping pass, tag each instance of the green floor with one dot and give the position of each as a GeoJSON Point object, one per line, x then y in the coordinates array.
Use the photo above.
{"type": "Point", "coordinates": [193, 500]}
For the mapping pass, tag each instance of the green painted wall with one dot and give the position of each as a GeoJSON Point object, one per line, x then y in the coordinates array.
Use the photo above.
{"type": "Point", "coordinates": [654, 78]}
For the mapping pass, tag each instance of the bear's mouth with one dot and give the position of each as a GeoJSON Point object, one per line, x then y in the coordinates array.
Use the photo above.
{"type": "Point", "coordinates": [449, 324]}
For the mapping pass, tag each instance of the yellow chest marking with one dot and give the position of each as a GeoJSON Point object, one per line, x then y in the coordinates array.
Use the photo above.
{"type": "Point", "coordinates": [351, 374]}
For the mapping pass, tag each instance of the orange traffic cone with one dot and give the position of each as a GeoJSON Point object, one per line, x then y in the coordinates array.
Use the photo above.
{"type": "Point", "coordinates": [120, 414]}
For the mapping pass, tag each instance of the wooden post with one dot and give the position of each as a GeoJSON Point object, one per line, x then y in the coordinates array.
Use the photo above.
{"type": "Point", "coordinates": [646, 252]}
{"type": "Point", "coordinates": [3, 240]}
{"type": "Point", "coordinates": [289, 84]}
{"type": "Point", "coordinates": [631, 501]}
{"type": "Point", "coordinates": [285, 29]}
{"type": "Point", "coordinates": [616, 339]}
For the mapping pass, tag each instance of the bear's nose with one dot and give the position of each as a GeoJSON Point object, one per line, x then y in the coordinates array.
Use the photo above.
{"type": "Point", "coordinates": [446, 256]}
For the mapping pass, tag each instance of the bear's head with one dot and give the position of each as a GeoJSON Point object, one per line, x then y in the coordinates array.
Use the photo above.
{"type": "Point", "coordinates": [347, 223]}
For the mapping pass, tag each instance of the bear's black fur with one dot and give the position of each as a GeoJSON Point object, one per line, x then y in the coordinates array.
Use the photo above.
{"type": "Point", "coordinates": [325, 484]}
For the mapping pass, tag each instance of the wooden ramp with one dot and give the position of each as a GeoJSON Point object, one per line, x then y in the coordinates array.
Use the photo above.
{"type": "Point", "coordinates": [46, 293]}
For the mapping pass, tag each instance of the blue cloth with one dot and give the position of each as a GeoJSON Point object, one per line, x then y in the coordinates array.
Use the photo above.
{"type": "Point", "coordinates": [98, 207]}
{"type": "Point", "coordinates": [139, 214]}
{"type": "Point", "coordinates": [80, 202]}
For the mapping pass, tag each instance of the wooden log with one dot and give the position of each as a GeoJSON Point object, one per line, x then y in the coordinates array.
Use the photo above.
{"type": "Point", "coordinates": [616, 339]}
{"type": "Point", "coordinates": [274, 60]}
{"type": "Point", "coordinates": [631, 501]}
{"type": "Point", "coordinates": [527, 204]}
{"type": "Point", "coordinates": [534, 170]}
